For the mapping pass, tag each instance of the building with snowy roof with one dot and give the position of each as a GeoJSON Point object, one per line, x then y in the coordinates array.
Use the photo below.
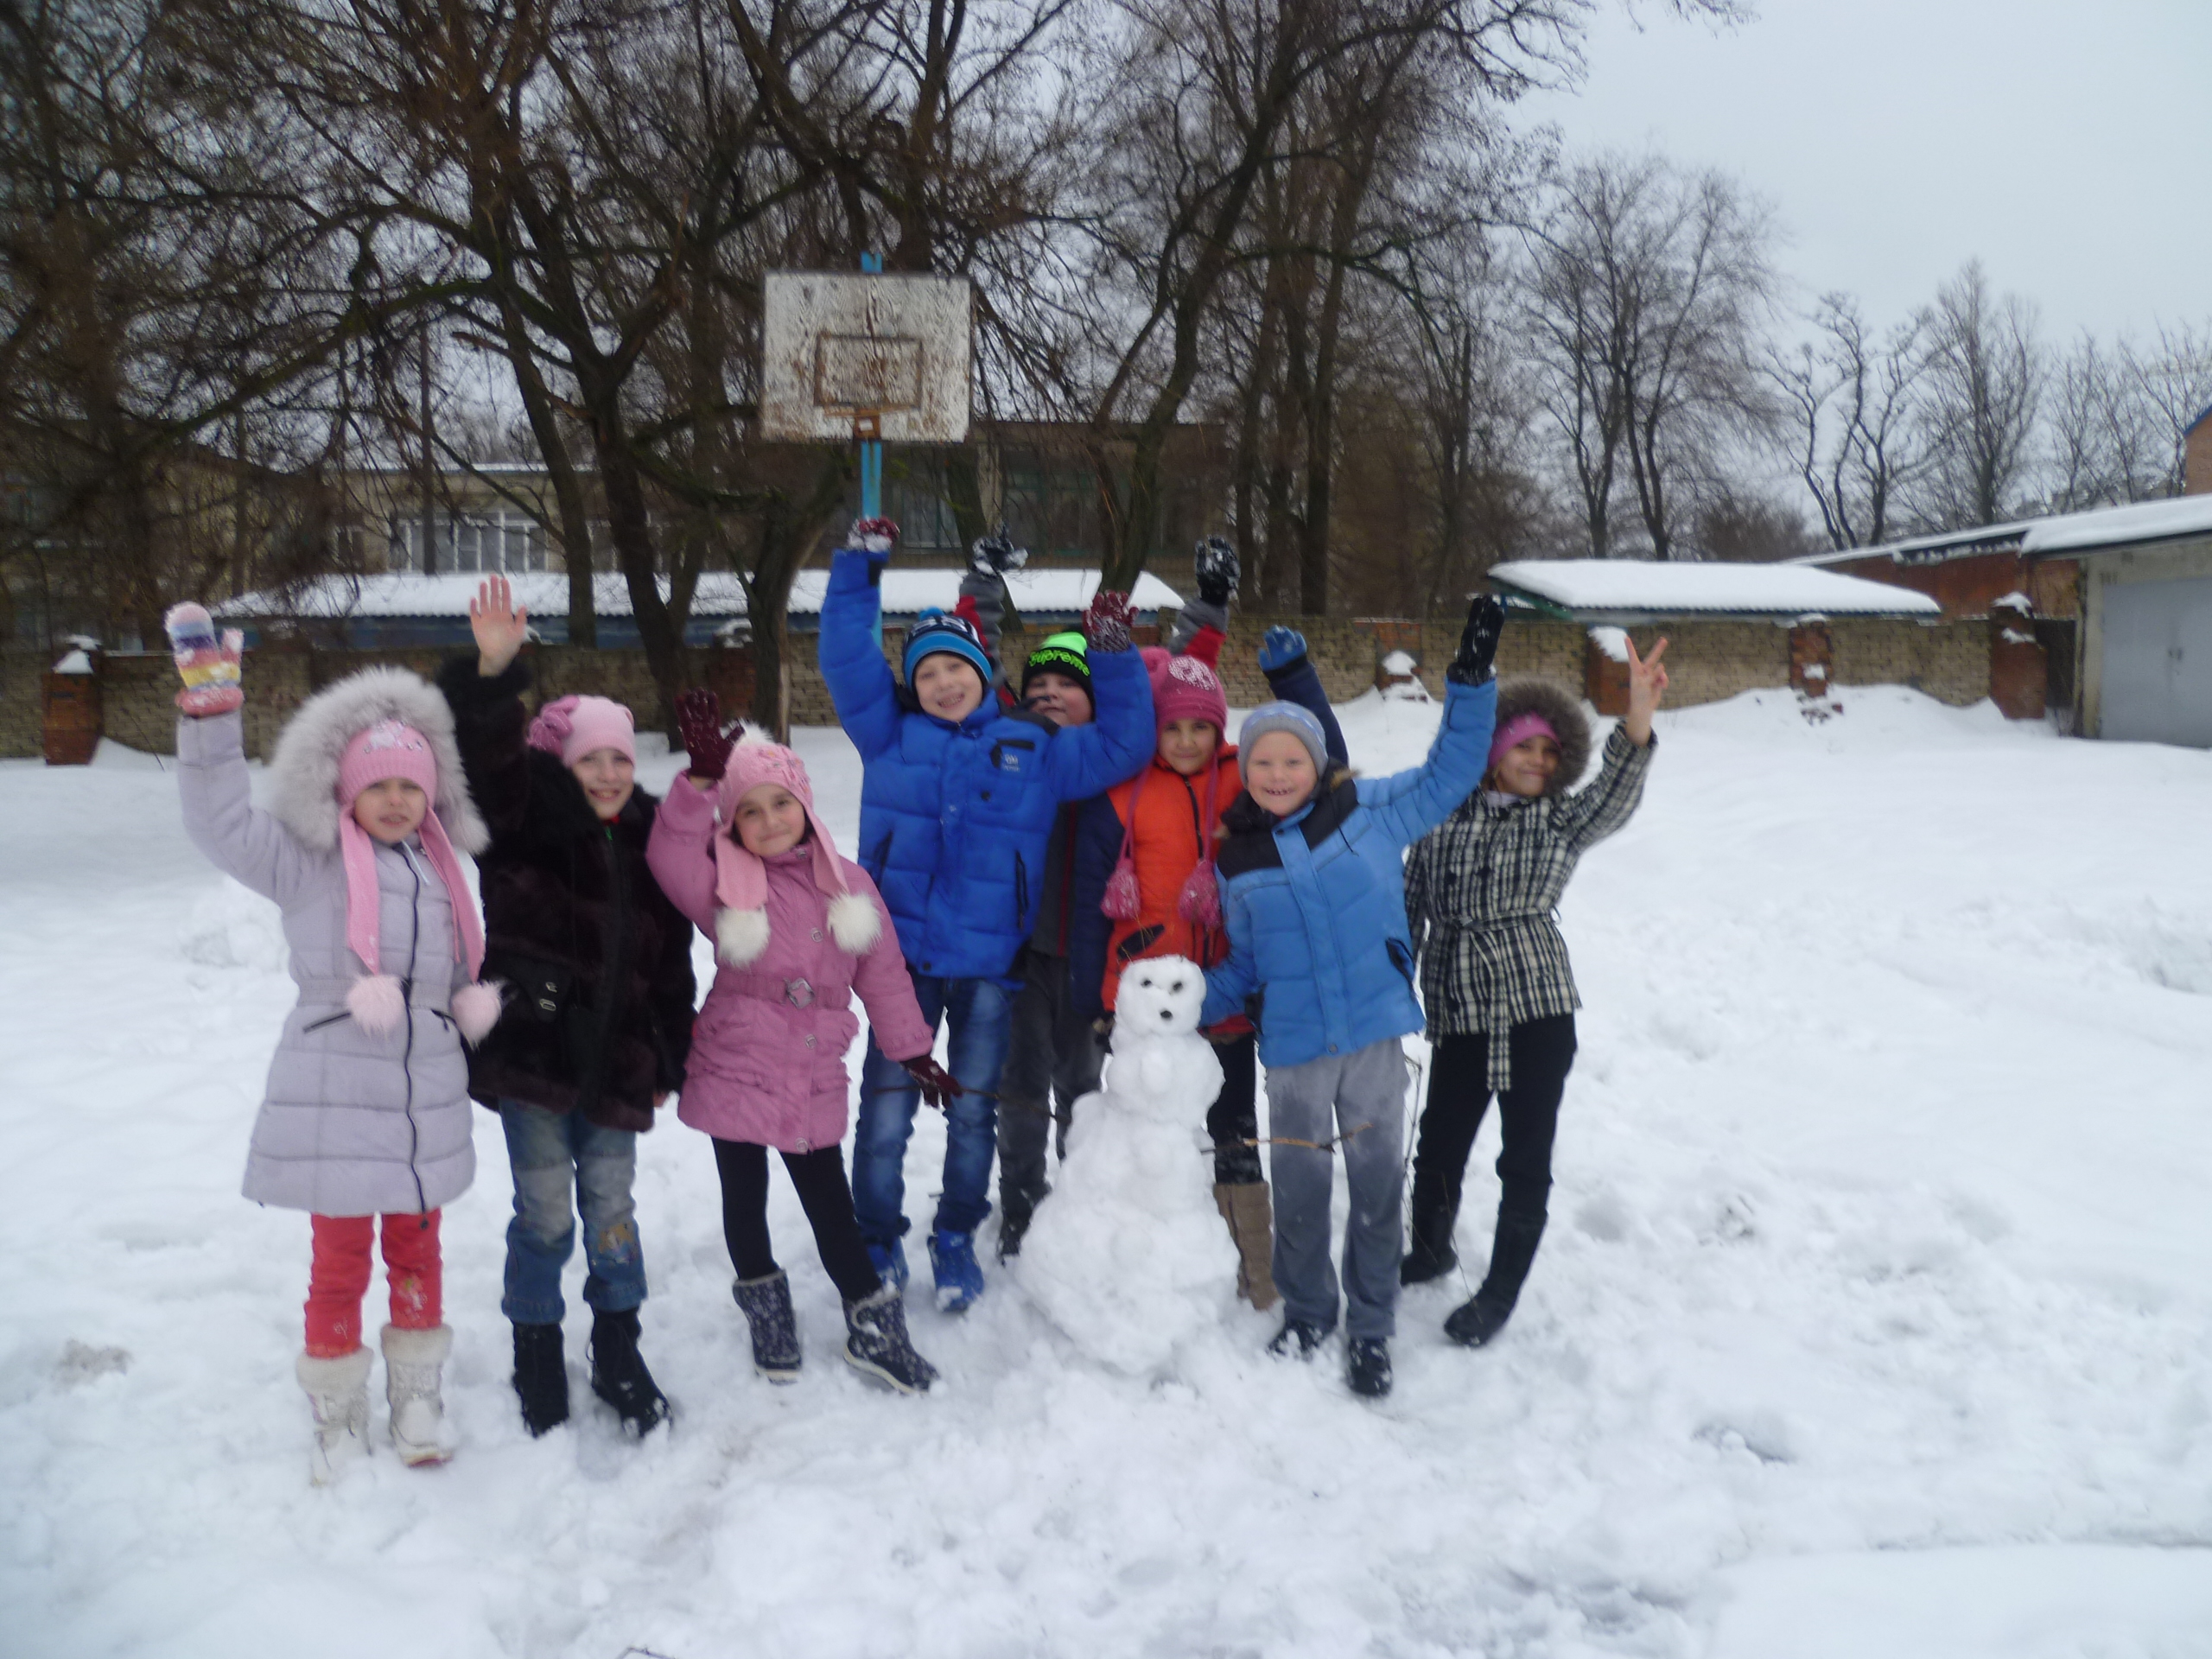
{"type": "Point", "coordinates": [1629, 593]}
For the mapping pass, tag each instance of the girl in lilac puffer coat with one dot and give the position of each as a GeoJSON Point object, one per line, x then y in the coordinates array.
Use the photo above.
{"type": "Point", "coordinates": [797, 931]}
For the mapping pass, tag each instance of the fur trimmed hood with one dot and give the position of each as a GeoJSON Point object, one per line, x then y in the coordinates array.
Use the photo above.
{"type": "Point", "coordinates": [303, 770]}
{"type": "Point", "coordinates": [1535, 693]}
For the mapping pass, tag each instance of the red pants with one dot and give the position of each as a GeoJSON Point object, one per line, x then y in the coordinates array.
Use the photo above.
{"type": "Point", "coordinates": [340, 1278]}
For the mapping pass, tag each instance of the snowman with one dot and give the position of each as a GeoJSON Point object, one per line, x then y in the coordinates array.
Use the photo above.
{"type": "Point", "coordinates": [1127, 1258]}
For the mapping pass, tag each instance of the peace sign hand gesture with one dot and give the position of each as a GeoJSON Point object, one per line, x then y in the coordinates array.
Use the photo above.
{"type": "Point", "coordinates": [501, 625]}
{"type": "Point", "coordinates": [1647, 684]}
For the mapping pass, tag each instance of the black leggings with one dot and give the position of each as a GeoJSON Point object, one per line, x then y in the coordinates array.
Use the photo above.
{"type": "Point", "coordinates": [1235, 1113]}
{"type": "Point", "coordinates": [819, 1178]}
{"type": "Point", "coordinates": [1459, 1093]}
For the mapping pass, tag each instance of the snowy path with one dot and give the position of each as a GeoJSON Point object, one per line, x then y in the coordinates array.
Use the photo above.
{"type": "Point", "coordinates": [1874, 1318]}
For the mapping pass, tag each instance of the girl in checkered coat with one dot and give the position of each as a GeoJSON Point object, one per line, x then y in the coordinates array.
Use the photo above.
{"type": "Point", "coordinates": [1480, 892]}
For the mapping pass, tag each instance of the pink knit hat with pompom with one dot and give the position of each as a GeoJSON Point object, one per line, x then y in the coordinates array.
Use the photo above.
{"type": "Point", "coordinates": [741, 879]}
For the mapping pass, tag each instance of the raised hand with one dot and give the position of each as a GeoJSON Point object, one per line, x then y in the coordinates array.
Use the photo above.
{"type": "Point", "coordinates": [208, 668]}
{"type": "Point", "coordinates": [1646, 684]}
{"type": "Point", "coordinates": [939, 1086]}
{"type": "Point", "coordinates": [501, 627]}
{"type": "Point", "coordinates": [1478, 643]}
{"type": "Point", "coordinates": [995, 553]}
{"type": "Point", "coordinates": [1281, 648]}
{"type": "Point", "coordinates": [1215, 567]}
{"type": "Point", "coordinates": [699, 723]}
{"type": "Point", "coordinates": [1106, 624]}
{"type": "Point", "coordinates": [877, 538]}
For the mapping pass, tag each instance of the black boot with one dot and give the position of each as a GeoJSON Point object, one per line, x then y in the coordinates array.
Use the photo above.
{"type": "Point", "coordinates": [1436, 1210]}
{"type": "Point", "coordinates": [766, 1304]}
{"type": "Point", "coordinates": [618, 1374]}
{"type": "Point", "coordinates": [540, 1378]}
{"type": "Point", "coordinates": [1368, 1367]}
{"type": "Point", "coordinates": [1014, 1216]}
{"type": "Point", "coordinates": [1475, 1322]}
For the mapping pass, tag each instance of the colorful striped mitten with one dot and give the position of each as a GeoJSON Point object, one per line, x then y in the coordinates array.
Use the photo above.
{"type": "Point", "coordinates": [209, 669]}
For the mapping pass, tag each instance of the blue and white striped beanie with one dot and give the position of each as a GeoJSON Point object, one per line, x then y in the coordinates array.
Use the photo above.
{"type": "Point", "coordinates": [935, 631]}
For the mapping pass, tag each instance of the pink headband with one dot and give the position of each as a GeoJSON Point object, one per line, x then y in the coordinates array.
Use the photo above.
{"type": "Point", "coordinates": [1517, 731]}
{"type": "Point", "coordinates": [572, 726]}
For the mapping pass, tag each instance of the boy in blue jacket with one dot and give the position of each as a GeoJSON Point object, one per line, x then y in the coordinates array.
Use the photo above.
{"type": "Point", "coordinates": [1312, 885]}
{"type": "Point", "coordinates": [958, 798]}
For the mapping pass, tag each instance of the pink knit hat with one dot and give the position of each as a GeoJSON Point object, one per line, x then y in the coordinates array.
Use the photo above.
{"type": "Point", "coordinates": [1517, 731]}
{"type": "Point", "coordinates": [1183, 688]}
{"type": "Point", "coordinates": [391, 748]}
{"type": "Point", "coordinates": [572, 726]}
{"type": "Point", "coordinates": [741, 880]}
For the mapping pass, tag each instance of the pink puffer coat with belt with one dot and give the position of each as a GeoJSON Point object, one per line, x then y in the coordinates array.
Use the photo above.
{"type": "Point", "coordinates": [768, 1047]}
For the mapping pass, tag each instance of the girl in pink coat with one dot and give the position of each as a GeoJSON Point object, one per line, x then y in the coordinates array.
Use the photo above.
{"type": "Point", "coordinates": [796, 931]}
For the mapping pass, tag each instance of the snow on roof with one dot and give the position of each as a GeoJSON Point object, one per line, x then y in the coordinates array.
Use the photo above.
{"type": "Point", "coordinates": [402, 593]}
{"type": "Point", "coordinates": [1934, 549]}
{"type": "Point", "coordinates": [2146, 521]}
{"type": "Point", "coordinates": [1649, 586]}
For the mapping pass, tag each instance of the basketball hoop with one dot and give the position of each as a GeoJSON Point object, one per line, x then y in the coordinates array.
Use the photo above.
{"type": "Point", "coordinates": [864, 357]}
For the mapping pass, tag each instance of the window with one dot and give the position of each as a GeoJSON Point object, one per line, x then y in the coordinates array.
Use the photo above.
{"type": "Point", "coordinates": [471, 545]}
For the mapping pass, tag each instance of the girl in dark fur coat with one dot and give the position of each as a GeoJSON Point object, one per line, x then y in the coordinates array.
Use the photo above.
{"type": "Point", "coordinates": [1496, 984]}
{"type": "Point", "coordinates": [597, 1026]}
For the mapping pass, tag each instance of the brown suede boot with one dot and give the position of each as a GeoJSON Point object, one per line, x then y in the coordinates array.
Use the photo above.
{"type": "Point", "coordinates": [1245, 1206]}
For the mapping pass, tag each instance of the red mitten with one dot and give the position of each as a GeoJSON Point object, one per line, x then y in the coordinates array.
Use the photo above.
{"type": "Point", "coordinates": [939, 1087]}
{"type": "Point", "coordinates": [699, 723]}
{"type": "Point", "coordinates": [209, 669]}
{"type": "Point", "coordinates": [1106, 624]}
{"type": "Point", "coordinates": [878, 538]}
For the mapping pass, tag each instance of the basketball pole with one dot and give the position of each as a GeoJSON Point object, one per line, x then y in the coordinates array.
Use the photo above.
{"type": "Point", "coordinates": [871, 462]}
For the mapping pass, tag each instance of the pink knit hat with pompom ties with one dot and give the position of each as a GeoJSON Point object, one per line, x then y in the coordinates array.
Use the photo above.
{"type": "Point", "coordinates": [741, 879]}
{"type": "Point", "coordinates": [572, 726]}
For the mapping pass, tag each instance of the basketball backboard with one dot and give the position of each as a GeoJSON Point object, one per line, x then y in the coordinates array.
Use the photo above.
{"type": "Point", "coordinates": [848, 355]}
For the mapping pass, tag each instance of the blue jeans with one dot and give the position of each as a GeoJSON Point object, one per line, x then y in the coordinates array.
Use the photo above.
{"type": "Point", "coordinates": [981, 1014]}
{"type": "Point", "coordinates": [552, 1154]}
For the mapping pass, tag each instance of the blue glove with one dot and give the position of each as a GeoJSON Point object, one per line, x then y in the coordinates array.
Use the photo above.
{"type": "Point", "coordinates": [1281, 648]}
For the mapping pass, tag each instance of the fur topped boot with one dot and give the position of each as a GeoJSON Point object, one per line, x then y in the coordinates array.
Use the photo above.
{"type": "Point", "coordinates": [413, 1376]}
{"type": "Point", "coordinates": [338, 1392]}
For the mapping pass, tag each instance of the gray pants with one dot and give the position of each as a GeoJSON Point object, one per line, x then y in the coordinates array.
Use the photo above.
{"type": "Point", "coordinates": [1336, 1094]}
{"type": "Point", "coordinates": [1051, 1055]}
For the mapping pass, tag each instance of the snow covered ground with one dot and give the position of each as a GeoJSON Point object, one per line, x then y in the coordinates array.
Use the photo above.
{"type": "Point", "coordinates": [1873, 1318]}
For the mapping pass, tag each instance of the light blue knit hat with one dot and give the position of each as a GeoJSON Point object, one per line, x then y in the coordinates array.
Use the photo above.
{"type": "Point", "coordinates": [1287, 717]}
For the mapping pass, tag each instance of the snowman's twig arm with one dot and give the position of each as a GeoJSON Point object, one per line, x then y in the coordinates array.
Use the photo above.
{"type": "Point", "coordinates": [1330, 1145]}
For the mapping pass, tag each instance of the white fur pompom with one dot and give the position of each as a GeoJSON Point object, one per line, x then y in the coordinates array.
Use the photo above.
{"type": "Point", "coordinates": [476, 1010]}
{"type": "Point", "coordinates": [741, 936]}
{"type": "Point", "coordinates": [855, 924]}
{"type": "Point", "coordinates": [377, 1003]}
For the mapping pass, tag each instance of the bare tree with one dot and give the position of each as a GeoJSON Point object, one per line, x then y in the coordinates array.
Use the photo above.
{"type": "Point", "coordinates": [1851, 400]}
{"type": "Point", "coordinates": [1980, 400]}
{"type": "Point", "coordinates": [1646, 289]}
{"type": "Point", "coordinates": [2173, 377]}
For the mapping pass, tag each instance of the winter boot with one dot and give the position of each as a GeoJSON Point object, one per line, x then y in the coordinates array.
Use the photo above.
{"type": "Point", "coordinates": [766, 1304]}
{"type": "Point", "coordinates": [1297, 1339]}
{"type": "Point", "coordinates": [1251, 1215]}
{"type": "Point", "coordinates": [959, 1276]}
{"type": "Point", "coordinates": [1014, 1216]}
{"type": "Point", "coordinates": [414, 1368]}
{"type": "Point", "coordinates": [1436, 1210]}
{"type": "Point", "coordinates": [338, 1390]}
{"type": "Point", "coordinates": [889, 1261]}
{"type": "Point", "coordinates": [1368, 1369]}
{"type": "Point", "coordinates": [618, 1374]}
{"type": "Point", "coordinates": [1474, 1323]}
{"type": "Point", "coordinates": [540, 1378]}
{"type": "Point", "coordinates": [876, 1343]}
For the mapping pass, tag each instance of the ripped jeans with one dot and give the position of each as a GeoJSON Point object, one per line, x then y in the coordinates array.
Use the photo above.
{"type": "Point", "coordinates": [554, 1154]}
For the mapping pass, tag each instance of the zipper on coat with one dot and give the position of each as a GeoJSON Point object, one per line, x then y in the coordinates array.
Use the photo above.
{"type": "Point", "coordinates": [407, 1013]}
{"type": "Point", "coordinates": [593, 1083]}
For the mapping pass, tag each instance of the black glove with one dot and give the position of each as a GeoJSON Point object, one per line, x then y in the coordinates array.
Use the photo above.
{"type": "Point", "coordinates": [994, 555]}
{"type": "Point", "coordinates": [1215, 567]}
{"type": "Point", "coordinates": [939, 1087]}
{"type": "Point", "coordinates": [1478, 642]}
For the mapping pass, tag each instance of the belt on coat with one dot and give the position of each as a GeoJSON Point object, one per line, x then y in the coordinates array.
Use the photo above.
{"type": "Point", "coordinates": [768, 987]}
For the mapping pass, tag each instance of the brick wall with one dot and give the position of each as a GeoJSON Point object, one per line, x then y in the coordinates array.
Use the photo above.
{"type": "Point", "coordinates": [1707, 662]}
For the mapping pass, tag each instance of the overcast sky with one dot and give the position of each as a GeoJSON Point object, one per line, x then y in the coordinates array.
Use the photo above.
{"type": "Point", "coordinates": [2068, 142]}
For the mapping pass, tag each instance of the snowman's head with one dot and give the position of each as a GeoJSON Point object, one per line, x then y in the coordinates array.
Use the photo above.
{"type": "Point", "coordinates": [1160, 996]}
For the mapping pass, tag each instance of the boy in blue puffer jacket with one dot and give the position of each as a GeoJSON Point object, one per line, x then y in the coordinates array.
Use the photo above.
{"type": "Point", "coordinates": [958, 799]}
{"type": "Point", "coordinates": [1312, 878]}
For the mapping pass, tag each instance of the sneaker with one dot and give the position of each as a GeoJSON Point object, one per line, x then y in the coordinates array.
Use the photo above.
{"type": "Point", "coordinates": [1473, 1323]}
{"type": "Point", "coordinates": [876, 1343]}
{"type": "Point", "coordinates": [889, 1261]}
{"type": "Point", "coordinates": [1369, 1368]}
{"type": "Point", "coordinates": [1297, 1339]}
{"type": "Point", "coordinates": [959, 1276]}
